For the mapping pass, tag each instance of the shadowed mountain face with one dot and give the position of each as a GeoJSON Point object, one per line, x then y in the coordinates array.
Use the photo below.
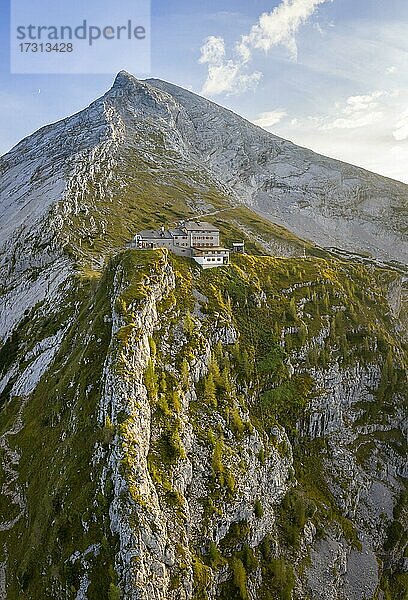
{"type": "Point", "coordinates": [168, 433]}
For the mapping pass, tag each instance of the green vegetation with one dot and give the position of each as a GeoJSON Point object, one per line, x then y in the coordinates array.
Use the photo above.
{"type": "Point", "coordinates": [112, 214]}
{"type": "Point", "coordinates": [277, 305]}
{"type": "Point", "coordinates": [258, 509]}
{"type": "Point", "coordinates": [239, 578]}
{"type": "Point", "coordinates": [295, 510]}
{"type": "Point", "coordinates": [114, 592]}
{"type": "Point", "coordinates": [55, 454]}
{"type": "Point", "coordinates": [277, 580]}
{"type": "Point", "coordinates": [202, 578]}
{"type": "Point", "coordinates": [267, 314]}
{"type": "Point", "coordinates": [135, 197]}
{"type": "Point", "coordinates": [394, 582]}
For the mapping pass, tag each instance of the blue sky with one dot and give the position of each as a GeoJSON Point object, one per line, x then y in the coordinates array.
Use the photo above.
{"type": "Point", "coordinates": [329, 75]}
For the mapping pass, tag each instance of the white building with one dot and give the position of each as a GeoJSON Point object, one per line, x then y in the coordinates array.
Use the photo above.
{"type": "Point", "coordinates": [211, 257]}
{"type": "Point", "coordinates": [197, 239]}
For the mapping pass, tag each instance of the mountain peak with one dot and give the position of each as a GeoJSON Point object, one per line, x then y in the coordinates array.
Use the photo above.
{"type": "Point", "coordinates": [124, 79]}
{"type": "Point", "coordinates": [317, 198]}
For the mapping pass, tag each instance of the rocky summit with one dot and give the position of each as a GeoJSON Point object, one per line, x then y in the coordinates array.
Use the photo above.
{"type": "Point", "coordinates": [174, 433]}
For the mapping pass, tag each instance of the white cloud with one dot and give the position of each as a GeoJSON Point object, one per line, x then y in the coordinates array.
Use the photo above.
{"type": "Point", "coordinates": [361, 103]}
{"type": "Point", "coordinates": [280, 26]}
{"type": "Point", "coordinates": [268, 119]}
{"type": "Point", "coordinates": [355, 122]}
{"type": "Point", "coordinates": [364, 130]}
{"type": "Point", "coordinates": [394, 164]}
{"type": "Point", "coordinates": [224, 76]}
{"type": "Point", "coordinates": [276, 28]}
{"type": "Point", "coordinates": [391, 70]}
{"type": "Point", "coordinates": [400, 133]}
{"type": "Point", "coordinates": [358, 111]}
{"type": "Point", "coordinates": [213, 51]}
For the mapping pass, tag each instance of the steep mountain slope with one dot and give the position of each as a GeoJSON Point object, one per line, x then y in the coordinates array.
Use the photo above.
{"type": "Point", "coordinates": [327, 201]}
{"type": "Point", "coordinates": [172, 434]}
{"type": "Point", "coordinates": [94, 179]}
{"type": "Point", "coordinates": [227, 434]}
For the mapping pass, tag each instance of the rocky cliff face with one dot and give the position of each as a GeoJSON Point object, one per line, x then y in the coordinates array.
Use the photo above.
{"type": "Point", "coordinates": [217, 462]}
{"type": "Point", "coordinates": [172, 434]}
{"type": "Point", "coordinates": [228, 434]}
